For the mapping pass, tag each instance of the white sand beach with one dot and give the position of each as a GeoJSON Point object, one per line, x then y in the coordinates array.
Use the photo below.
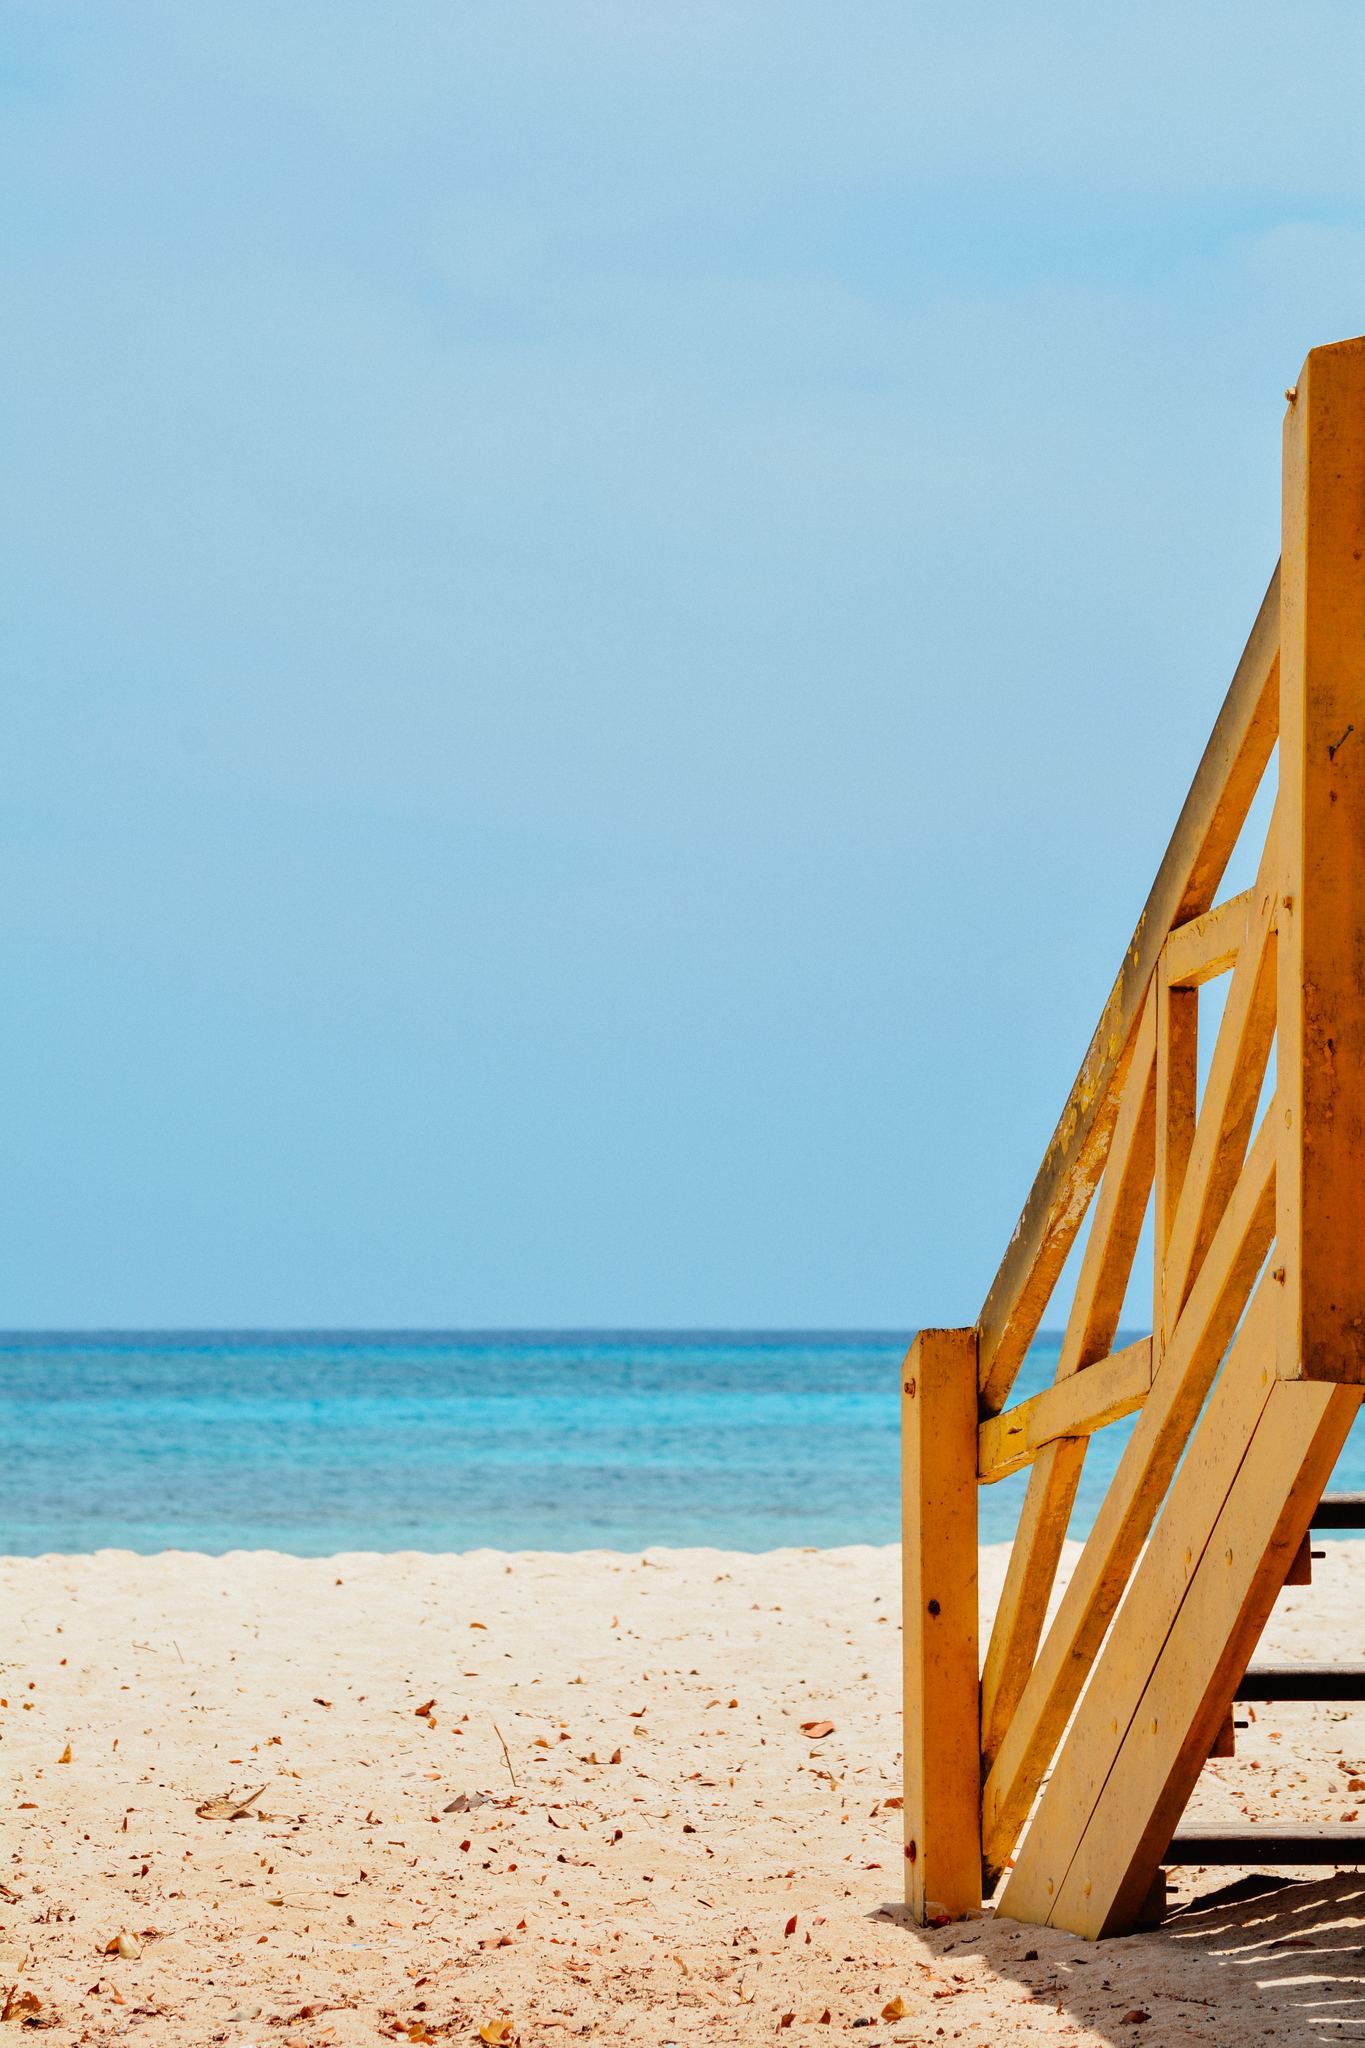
{"type": "Point", "coordinates": [678, 1859]}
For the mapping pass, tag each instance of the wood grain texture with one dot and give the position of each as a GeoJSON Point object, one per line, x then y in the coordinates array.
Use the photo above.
{"type": "Point", "coordinates": [1129, 1508]}
{"type": "Point", "coordinates": [942, 1810]}
{"type": "Point", "coordinates": [1231, 1092]}
{"type": "Point", "coordinates": [1177, 1103]}
{"type": "Point", "coordinates": [1211, 1639]}
{"type": "Point", "coordinates": [1207, 946]}
{"type": "Point", "coordinates": [1130, 1651]}
{"type": "Point", "coordinates": [1095, 1309]}
{"type": "Point", "coordinates": [1029, 1578]}
{"type": "Point", "coordinates": [1322, 955]}
{"type": "Point", "coordinates": [1075, 1406]}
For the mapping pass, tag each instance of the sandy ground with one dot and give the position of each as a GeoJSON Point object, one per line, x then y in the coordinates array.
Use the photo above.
{"type": "Point", "coordinates": [677, 1861]}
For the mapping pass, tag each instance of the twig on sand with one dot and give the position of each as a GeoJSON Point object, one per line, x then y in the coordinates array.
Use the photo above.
{"type": "Point", "coordinates": [498, 1732]}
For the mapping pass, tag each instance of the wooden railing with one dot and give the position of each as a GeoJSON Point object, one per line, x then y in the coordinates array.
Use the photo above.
{"type": "Point", "coordinates": [1256, 1361]}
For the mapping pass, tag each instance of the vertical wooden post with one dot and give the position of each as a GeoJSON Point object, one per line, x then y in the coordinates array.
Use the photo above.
{"type": "Point", "coordinates": [942, 1713]}
{"type": "Point", "coordinates": [1177, 1083]}
{"type": "Point", "coordinates": [1320, 1221]}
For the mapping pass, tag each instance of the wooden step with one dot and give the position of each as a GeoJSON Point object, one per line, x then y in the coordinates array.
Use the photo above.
{"type": "Point", "coordinates": [1312, 1842]}
{"type": "Point", "coordinates": [1340, 1511]}
{"type": "Point", "coordinates": [1303, 1682]}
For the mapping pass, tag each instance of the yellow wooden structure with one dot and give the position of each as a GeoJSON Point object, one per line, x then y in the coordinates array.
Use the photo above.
{"type": "Point", "coordinates": [1065, 1769]}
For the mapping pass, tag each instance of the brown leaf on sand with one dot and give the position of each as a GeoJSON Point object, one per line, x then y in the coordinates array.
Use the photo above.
{"type": "Point", "coordinates": [790, 1927]}
{"type": "Point", "coordinates": [1135, 2017]}
{"type": "Point", "coordinates": [126, 1945]}
{"type": "Point", "coordinates": [425, 1708]}
{"type": "Point", "coordinates": [496, 2032]}
{"type": "Point", "coordinates": [228, 1808]}
{"type": "Point", "coordinates": [894, 2009]}
{"type": "Point", "coordinates": [20, 2005]}
{"type": "Point", "coordinates": [467, 1801]}
{"type": "Point", "coordinates": [815, 1729]}
{"type": "Point", "coordinates": [65, 1756]}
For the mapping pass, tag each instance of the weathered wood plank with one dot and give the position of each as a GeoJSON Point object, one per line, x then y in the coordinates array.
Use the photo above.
{"type": "Point", "coordinates": [1177, 1102]}
{"type": "Point", "coordinates": [1144, 1472]}
{"type": "Point", "coordinates": [1228, 1601]}
{"type": "Point", "coordinates": [1231, 1091]}
{"type": "Point", "coordinates": [1322, 958]}
{"type": "Point", "coordinates": [942, 1810]}
{"type": "Point", "coordinates": [1095, 1309]}
{"type": "Point", "coordinates": [1186, 882]}
{"type": "Point", "coordinates": [1076, 1406]}
{"type": "Point", "coordinates": [1029, 1579]}
{"type": "Point", "coordinates": [1119, 1209]}
{"type": "Point", "coordinates": [1207, 946]}
{"type": "Point", "coordinates": [1130, 1652]}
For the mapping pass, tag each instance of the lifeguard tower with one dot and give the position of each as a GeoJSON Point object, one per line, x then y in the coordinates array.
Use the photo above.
{"type": "Point", "coordinates": [1059, 1769]}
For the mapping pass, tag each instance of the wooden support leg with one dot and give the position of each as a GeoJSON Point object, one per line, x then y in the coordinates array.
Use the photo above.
{"type": "Point", "coordinates": [1321, 1053]}
{"type": "Point", "coordinates": [942, 1715]}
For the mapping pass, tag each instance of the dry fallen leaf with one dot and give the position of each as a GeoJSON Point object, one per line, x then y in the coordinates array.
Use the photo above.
{"type": "Point", "coordinates": [790, 1927]}
{"type": "Point", "coordinates": [126, 1945]}
{"type": "Point", "coordinates": [424, 1709]}
{"type": "Point", "coordinates": [65, 1756]}
{"type": "Point", "coordinates": [467, 1801]}
{"type": "Point", "coordinates": [894, 2009]}
{"type": "Point", "coordinates": [1135, 2017]}
{"type": "Point", "coordinates": [815, 1729]}
{"type": "Point", "coordinates": [20, 2005]}
{"type": "Point", "coordinates": [496, 2031]}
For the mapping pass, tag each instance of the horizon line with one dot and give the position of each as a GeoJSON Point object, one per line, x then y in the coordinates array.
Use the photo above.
{"type": "Point", "coordinates": [437, 1330]}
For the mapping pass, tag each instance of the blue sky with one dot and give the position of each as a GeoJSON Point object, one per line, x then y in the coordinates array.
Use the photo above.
{"type": "Point", "coordinates": [607, 611]}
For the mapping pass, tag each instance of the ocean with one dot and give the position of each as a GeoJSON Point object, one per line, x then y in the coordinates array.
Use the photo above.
{"type": "Point", "coordinates": [314, 1442]}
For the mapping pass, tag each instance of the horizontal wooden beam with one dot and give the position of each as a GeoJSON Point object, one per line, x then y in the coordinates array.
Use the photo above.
{"type": "Point", "coordinates": [1286, 1844]}
{"type": "Point", "coordinates": [1076, 1406]}
{"type": "Point", "coordinates": [1302, 1682]}
{"type": "Point", "coordinates": [1213, 815]}
{"type": "Point", "coordinates": [1208, 945]}
{"type": "Point", "coordinates": [1339, 1511]}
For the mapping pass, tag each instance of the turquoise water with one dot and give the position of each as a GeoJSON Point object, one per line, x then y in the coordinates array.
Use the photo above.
{"type": "Point", "coordinates": [318, 1442]}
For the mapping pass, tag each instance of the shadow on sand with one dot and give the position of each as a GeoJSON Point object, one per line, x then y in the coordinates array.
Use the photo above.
{"type": "Point", "coordinates": [1264, 1959]}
